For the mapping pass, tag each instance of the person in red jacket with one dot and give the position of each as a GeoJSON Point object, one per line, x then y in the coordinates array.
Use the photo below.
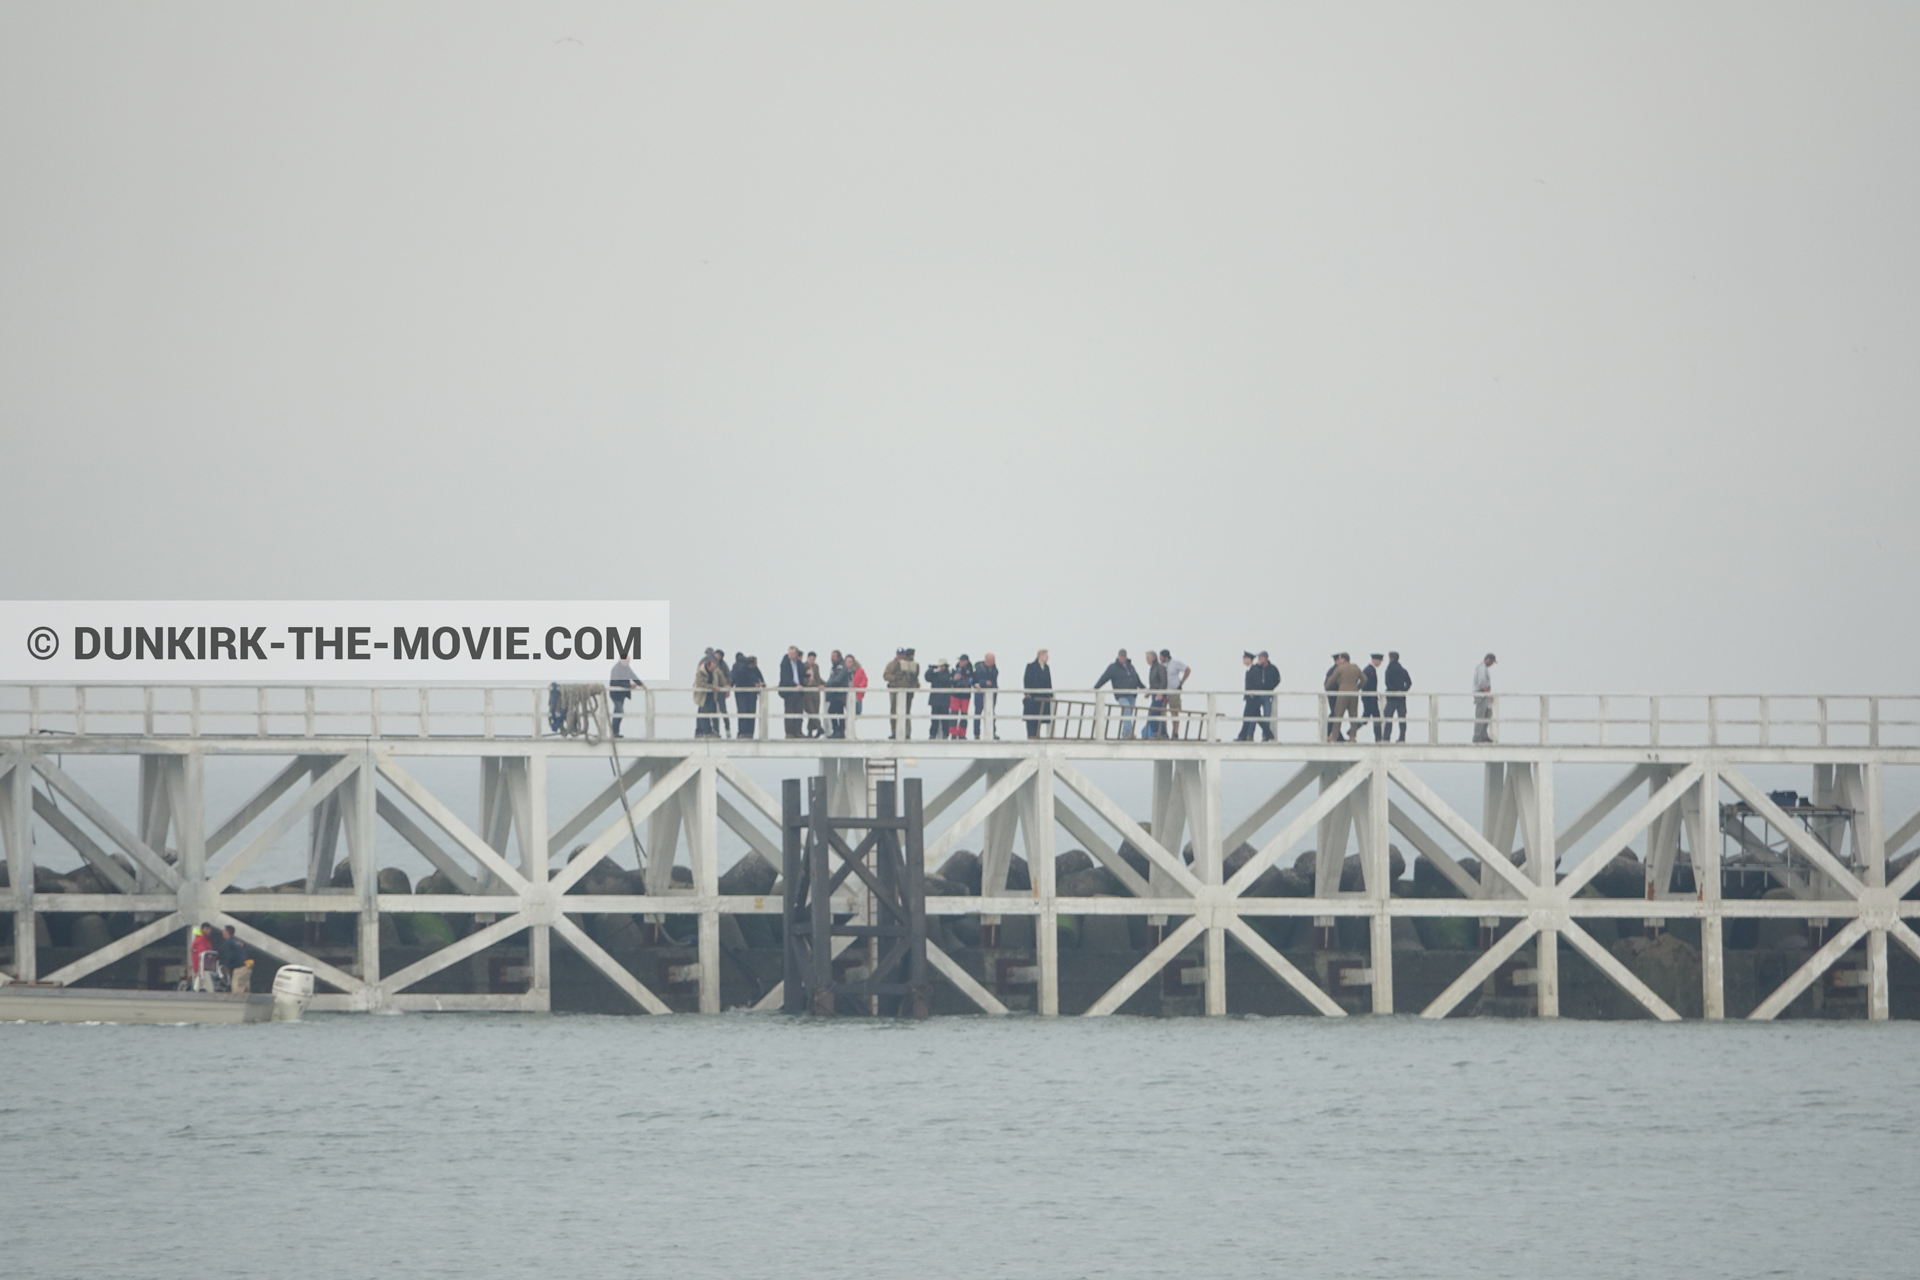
{"type": "Point", "coordinates": [201, 957]}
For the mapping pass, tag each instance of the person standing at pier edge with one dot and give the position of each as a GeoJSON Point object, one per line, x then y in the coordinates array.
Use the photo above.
{"type": "Point", "coordinates": [838, 681]}
{"type": "Point", "coordinates": [793, 671]}
{"type": "Point", "coordinates": [1332, 698]}
{"type": "Point", "coordinates": [1126, 682]}
{"type": "Point", "coordinates": [903, 677]}
{"type": "Point", "coordinates": [620, 685]}
{"type": "Point", "coordinates": [1344, 680]}
{"type": "Point", "coordinates": [1483, 700]}
{"type": "Point", "coordinates": [724, 728]}
{"type": "Point", "coordinates": [939, 701]}
{"type": "Point", "coordinates": [708, 682]}
{"type": "Point", "coordinates": [813, 682]}
{"type": "Point", "coordinates": [1262, 679]}
{"type": "Point", "coordinates": [1156, 695]}
{"type": "Point", "coordinates": [963, 694]}
{"type": "Point", "coordinates": [1370, 697]}
{"type": "Point", "coordinates": [859, 685]}
{"type": "Point", "coordinates": [1036, 702]}
{"type": "Point", "coordinates": [1398, 682]}
{"type": "Point", "coordinates": [747, 680]}
{"type": "Point", "coordinates": [1177, 673]}
{"type": "Point", "coordinates": [985, 676]}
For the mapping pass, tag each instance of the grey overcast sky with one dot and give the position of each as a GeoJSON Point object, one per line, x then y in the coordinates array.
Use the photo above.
{"type": "Point", "coordinates": [1585, 336]}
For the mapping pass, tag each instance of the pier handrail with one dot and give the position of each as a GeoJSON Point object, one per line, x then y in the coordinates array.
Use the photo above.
{"type": "Point", "coordinates": [671, 713]}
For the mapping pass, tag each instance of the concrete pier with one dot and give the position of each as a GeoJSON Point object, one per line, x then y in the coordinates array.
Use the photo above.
{"type": "Point", "coordinates": [1183, 906]}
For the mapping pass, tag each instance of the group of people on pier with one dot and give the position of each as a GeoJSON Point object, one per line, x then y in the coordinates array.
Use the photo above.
{"type": "Point", "coordinates": [814, 696]}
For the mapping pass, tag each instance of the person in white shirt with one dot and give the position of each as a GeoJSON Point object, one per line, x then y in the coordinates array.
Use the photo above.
{"type": "Point", "coordinates": [1483, 700]}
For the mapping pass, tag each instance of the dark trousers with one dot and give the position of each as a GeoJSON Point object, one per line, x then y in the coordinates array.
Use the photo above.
{"type": "Point", "coordinates": [1396, 708]}
{"type": "Point", "coordinates": [794, 702]}
{"type": "Point", "coordinates": [619, 697]}
{"type": "Point", "coordinates": [748, 705]}
{"type": "Point", "coordinates": [939, 704]}
{"type": "Point", "coordinates": [1370, 708]}
{"type": "Point", "coordinates": [836, 715]}
{"type": "Point", "coordinates": [1035, 710]}
{"type": "Point", "coordinates": [1258, 712]}
{"type": "Point", "coordinates": [708, 726]}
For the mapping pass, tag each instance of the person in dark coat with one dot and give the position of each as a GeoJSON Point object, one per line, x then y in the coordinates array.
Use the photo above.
{"type": "Point", "coordinates": [1126, 682]}
{"type": "Point", "coordinates": [1370, 696]}
{"type": "Point", "coordinates": [1398, 682]}
{"type": "Point", "coordinates": [1036, 702]}
{"type": "Point", "coordinates": [986, 675]}
{"type": "Point", "coordinates": [793, 674]}
{"type": "Point", "coordinates": [839, 680]}
{"type": "Point", "coordinates": [1262, 678]}
{"type": "Point", "coordinates": [747, 681]}
{"type": "Point", "coordinates": [1156, 695]}
{"type": "Point", "coordinates": [940, 701]}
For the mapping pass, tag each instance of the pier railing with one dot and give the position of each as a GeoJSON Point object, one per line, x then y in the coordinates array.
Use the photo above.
{"type": "Point", "coordinates": [674, 713]}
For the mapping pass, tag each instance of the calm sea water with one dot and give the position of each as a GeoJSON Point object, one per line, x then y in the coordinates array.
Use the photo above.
{"type": "Point", "coordinates": [752, 1146]}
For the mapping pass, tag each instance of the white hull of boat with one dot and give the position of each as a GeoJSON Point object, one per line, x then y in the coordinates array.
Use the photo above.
{"type": "Point", "coordinates": [21, 1003]}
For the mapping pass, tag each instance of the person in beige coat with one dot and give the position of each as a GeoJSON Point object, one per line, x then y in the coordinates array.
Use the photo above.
{"type": "Point", "coordinates": [1344, 683]}
{"type": "Point", "coordinates": [710, 685]}
{"type": "Point", "coordinates": [903, 677]}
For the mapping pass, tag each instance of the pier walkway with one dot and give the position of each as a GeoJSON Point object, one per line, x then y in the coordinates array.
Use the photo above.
{"type": "Point", "coordinates": [1691, 785]}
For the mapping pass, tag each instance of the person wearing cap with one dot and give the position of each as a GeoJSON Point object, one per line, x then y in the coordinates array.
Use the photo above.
{"type": "Point", "coordinates": [1262, 679]}
{"type": "Point", "coordinates": [1370, 696]}
{"type": "Point", "coordinates": [1398, 682]}
{"type": "Point", "coordinates": [1344, 682]}
{"type": "Point", "coordinates": [902, 676]}
{"type": "Point", "coordinates": [1483, 700]}
{"type": "Point", "coordinates": [1126, 682]}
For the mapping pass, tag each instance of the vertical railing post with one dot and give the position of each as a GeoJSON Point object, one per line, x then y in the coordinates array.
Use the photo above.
{"type": "Point", "coordinates": [80, 710]}
{"type": "Point", "coordinates": [487, 713]}
{"type": "Point", "coordinates": [1821, 703]}
{"type": "Point", "coordinates": [373, 710]}
{"type": "Point", "coordinates": [650, 730]}
{"type": "Point", "coordinates": [1653, 720]}
{"type": "Point", "coordinates": [1546, 717]}
{"type": "Point", "coordinates": [260, 709]}
{"type": "Point", "coordinates": [426, 711]}
{"type": "Point", "coordinates": [1606, 718]}
{"type": "Point", "coordinates": [1873, 721]}
{"type": "Point", "coordinates": [33, 711]}
{"type": "Point", "coordinates": [1713, 721]}
{"type": "Point", "coordinates": [309, 708]}
{"type": "Point", "coordinates": [1433, 718]}
{"type": "Point", "coordinates": [1706, 884]}
{"type": "Point", "coordinates": [146, 702]}
{"type": "Point", "coordinates": [1766, 720]}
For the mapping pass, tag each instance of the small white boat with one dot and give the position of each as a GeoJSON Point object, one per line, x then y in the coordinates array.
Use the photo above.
{"type": "Point", "coordinates": [32, 1002]}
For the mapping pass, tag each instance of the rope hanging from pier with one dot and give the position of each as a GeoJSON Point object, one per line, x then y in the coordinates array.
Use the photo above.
{"type": "Point", "coordinates": [581, 710]}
